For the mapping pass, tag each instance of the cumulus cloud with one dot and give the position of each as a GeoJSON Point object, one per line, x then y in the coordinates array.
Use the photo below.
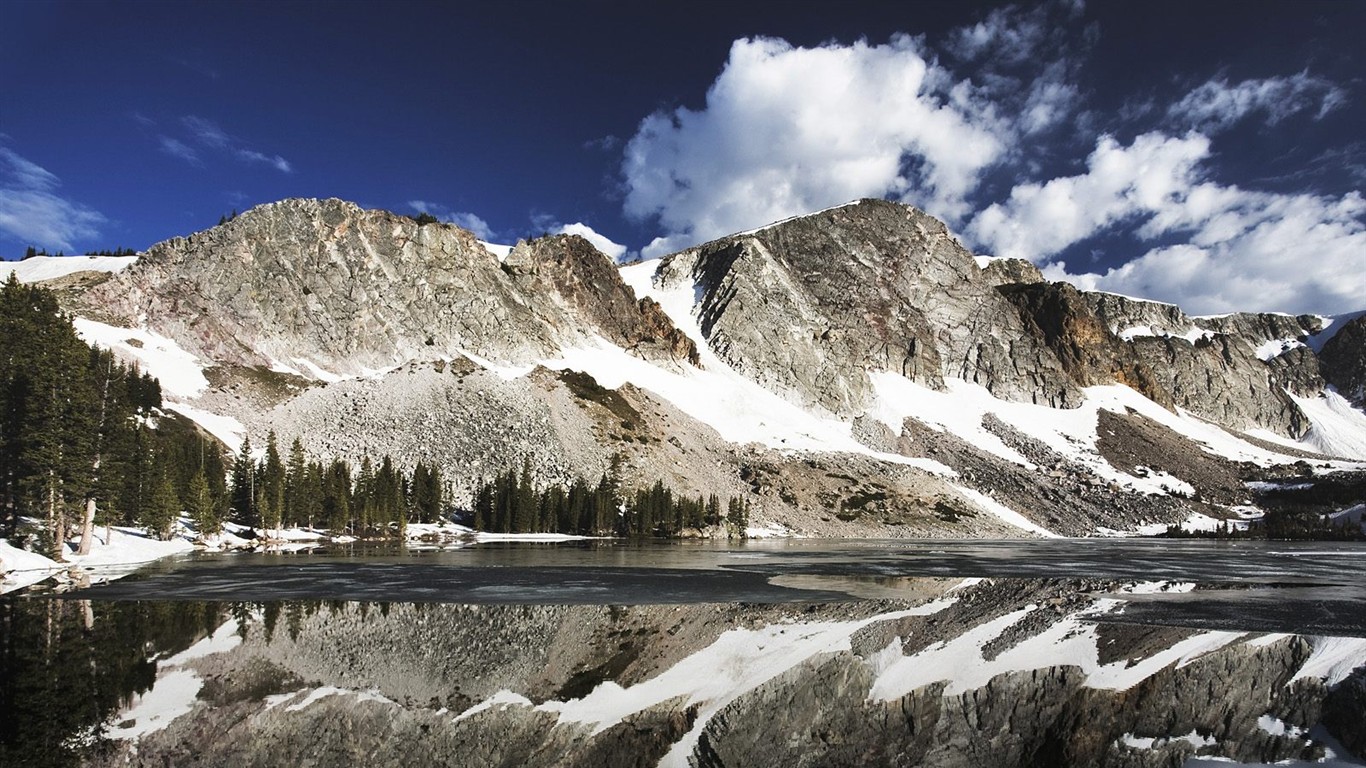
{"type": "Point", "coordinates": [1258, 252]}
{"type": "Point", "coordinates": [601, 242]}
{"type": "Point", "coordinates": [787, 130]}
{"type": "Point", "coordinates": [1217, 105]}
{"type": "Point", "coordinates": [32, 213]}
{"type": "Point", "coordinates": [1152, 175]}
{"type": "Point", "coordinates": [1242, 250]}
{"type": "Point", "coordinates": [464, 219]}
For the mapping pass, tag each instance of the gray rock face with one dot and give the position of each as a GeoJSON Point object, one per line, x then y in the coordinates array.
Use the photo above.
{"type": "Point", "coordinates": [349, 289]}
{"type": "Point", "coordinates": [1208, 366]}
{"type": "Point", "coordinates": [1344, 361]}
{"type": "Point", "coordinates": [809, 306]}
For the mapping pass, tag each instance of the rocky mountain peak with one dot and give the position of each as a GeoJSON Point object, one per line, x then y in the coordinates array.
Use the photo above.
{"type": "Point", "coordinates": [345, 289]}
{"type": "Point", "coordinates": [811, 305]}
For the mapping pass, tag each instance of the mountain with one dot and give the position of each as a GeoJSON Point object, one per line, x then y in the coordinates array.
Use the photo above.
{"type": "Point", "coordinates": [852, 372]}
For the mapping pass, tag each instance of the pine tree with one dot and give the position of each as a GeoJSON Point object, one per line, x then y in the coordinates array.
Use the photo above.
{"type": "Point", "coordinates": [524, 506]}
{"type": "Point", "coordinates": [243, 500]}
{"type": "Point", "coordinates": [295, 494]}
{"type": "Point", "coordinates": [272, 474]}
{"type": "Point", "coordinates": [48, 402]}
{"type": "Point", "coordinates": [163, 507]}
{"type": "Point", "coordinates": [200, 506]}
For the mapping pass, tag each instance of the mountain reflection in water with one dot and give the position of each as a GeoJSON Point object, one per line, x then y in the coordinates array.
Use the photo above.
{"type": "Point", "coordinates": [858, 658]}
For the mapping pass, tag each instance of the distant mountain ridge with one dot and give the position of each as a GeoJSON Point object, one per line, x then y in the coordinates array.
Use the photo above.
{"type": "Point", "coordinates": [965, 399]}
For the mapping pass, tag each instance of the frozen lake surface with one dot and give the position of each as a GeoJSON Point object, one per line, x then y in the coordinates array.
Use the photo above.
{"type": "Point", "coordinates": [1300, 587]}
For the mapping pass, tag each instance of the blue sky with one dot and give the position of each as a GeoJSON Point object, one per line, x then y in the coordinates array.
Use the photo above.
{"type": "Point", "coordinates": [1206, 153]}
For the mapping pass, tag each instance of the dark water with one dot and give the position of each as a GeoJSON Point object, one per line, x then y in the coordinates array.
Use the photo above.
{"type": "Point", "coordinates": [1298, 587]}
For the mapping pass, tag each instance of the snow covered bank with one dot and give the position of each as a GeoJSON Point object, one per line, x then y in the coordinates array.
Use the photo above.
{"type": "Point", "coordinates": [115, 552]}
{"type": "Point", "coordinates": [41, 268]}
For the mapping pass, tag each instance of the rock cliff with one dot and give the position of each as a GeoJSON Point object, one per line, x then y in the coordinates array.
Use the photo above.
{"type": "Point", "coordinates": [325, 283]}
{"type": "Point", "coordinates": [809, 306]}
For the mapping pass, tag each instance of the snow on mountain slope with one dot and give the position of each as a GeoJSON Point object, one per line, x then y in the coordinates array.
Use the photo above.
{"type": "Point", "coordinates": [1338, 428]}
{"type": "Point", "coordinates": [51, 267]}
{"type": "Point", "coordinates": [1071, 432]}
{"type": "Point", "coordinates": [1072, 641]}
{"type": "Point", "coordinates": [743, 411]}
{"type": "Point", "coordinates": [180, 373]}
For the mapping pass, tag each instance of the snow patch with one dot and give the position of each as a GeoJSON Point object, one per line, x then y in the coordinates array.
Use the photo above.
{"type": "Point", "coordinates": [41, 268]}
{"type": "Point", "coordinates": [1071, 641]}
{"type": "Point", "coordinates": [503, 698]}
{"type": "Point", "coordinates": [794, 218]}
{"type": "Point", "coordinates": [1149, 742]}
{"type": "Point", "coordinates": [499, 251]}
{"type": "Point", "coordinates": [960, 408]}
{"type": "Point", "coordinates": [225, 428]}
{"type": "Point", "coordinates": [770, 531]}
{"type": "Point", "coordinates": [508, 372]}
{"type": "Point", "coordinates": [1005, 513]}
{"type": "Point", "coordinates": [1330, 328]}
{"type": "Point", "coordinates": [1273, 348]}
{"type": "Point", "coordinates": [1192, 334]}
{"type": "Point", "coordinates": [317, 372]}
{"type": "Point", "coordinates": [1158, 588]}
{"type": "Point", "coordinates": [738, 661]}
{"type": "Point", "coordinates": [1333, 659]}
{"type": "Point", "coordinates": [1338, 429]}
{"type": "Point", "coordinates": [1278, 727]}
{"type": "Point", "coordinates": [180, 373]}
{"type": "Point", "coordinates": [738, 409]}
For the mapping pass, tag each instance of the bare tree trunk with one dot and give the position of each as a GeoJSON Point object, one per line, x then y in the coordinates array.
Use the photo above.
{"type": "Point", "coordinates": [87, 526]}
{"type": "Point", "coordinates": [55, 520]}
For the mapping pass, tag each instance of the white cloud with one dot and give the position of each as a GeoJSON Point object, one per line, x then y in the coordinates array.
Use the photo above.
{"type": "Point", "coordinates": [206, 136]}
{"type": "Point", "coordinates": [470, 221]}
{"type": "Point", "coordinates": [788, 130]}
{"type": "Point", "coordinates": [1038, 220]}
{"type": "Point", "coordinates": [206, 132]}
{"type": "Point", "coordinates": [1216, 105]}
{"type": "Point", "coordinates": [1244, 250]}
{"type": "Point", "coordinates": [23, 174]}
{"type": "Point", "coordinates": [31, 213]}
{"type": "Point", "coordinates": [275, 161]}
{"type": "Point", "coordinates": [177, 148]}
{"type": "Point", "coordinates": [601, 242]}
{"type": "Point", "coordinates": [1259, 252]}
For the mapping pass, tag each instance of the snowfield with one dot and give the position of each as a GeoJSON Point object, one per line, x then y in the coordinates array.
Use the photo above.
{"type": "Point", "coordinates": [41, 268]}
{"type": "Point", "coordinates": [181, 374]}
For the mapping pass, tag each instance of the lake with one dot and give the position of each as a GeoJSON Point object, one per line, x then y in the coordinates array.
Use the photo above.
{"type": "Point", "coordinates": [778, 652]}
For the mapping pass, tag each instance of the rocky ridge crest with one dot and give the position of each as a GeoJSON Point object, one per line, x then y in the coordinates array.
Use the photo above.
{"type": "Point", "coordinates": [347, 289]}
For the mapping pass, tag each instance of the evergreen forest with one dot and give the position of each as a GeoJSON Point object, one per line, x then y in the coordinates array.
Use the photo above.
{"type": "Point", "coordinates": [83, 439]}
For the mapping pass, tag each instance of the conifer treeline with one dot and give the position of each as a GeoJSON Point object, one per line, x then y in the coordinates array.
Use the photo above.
{"type": "Point", "coordinates": [82, 438]}
{"type": "Point", "coordinates": [31, 252]}
{"type": "Point", "coordinates": [293, 492]}
{"type": "Point", "coordinates": [511, 503]}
